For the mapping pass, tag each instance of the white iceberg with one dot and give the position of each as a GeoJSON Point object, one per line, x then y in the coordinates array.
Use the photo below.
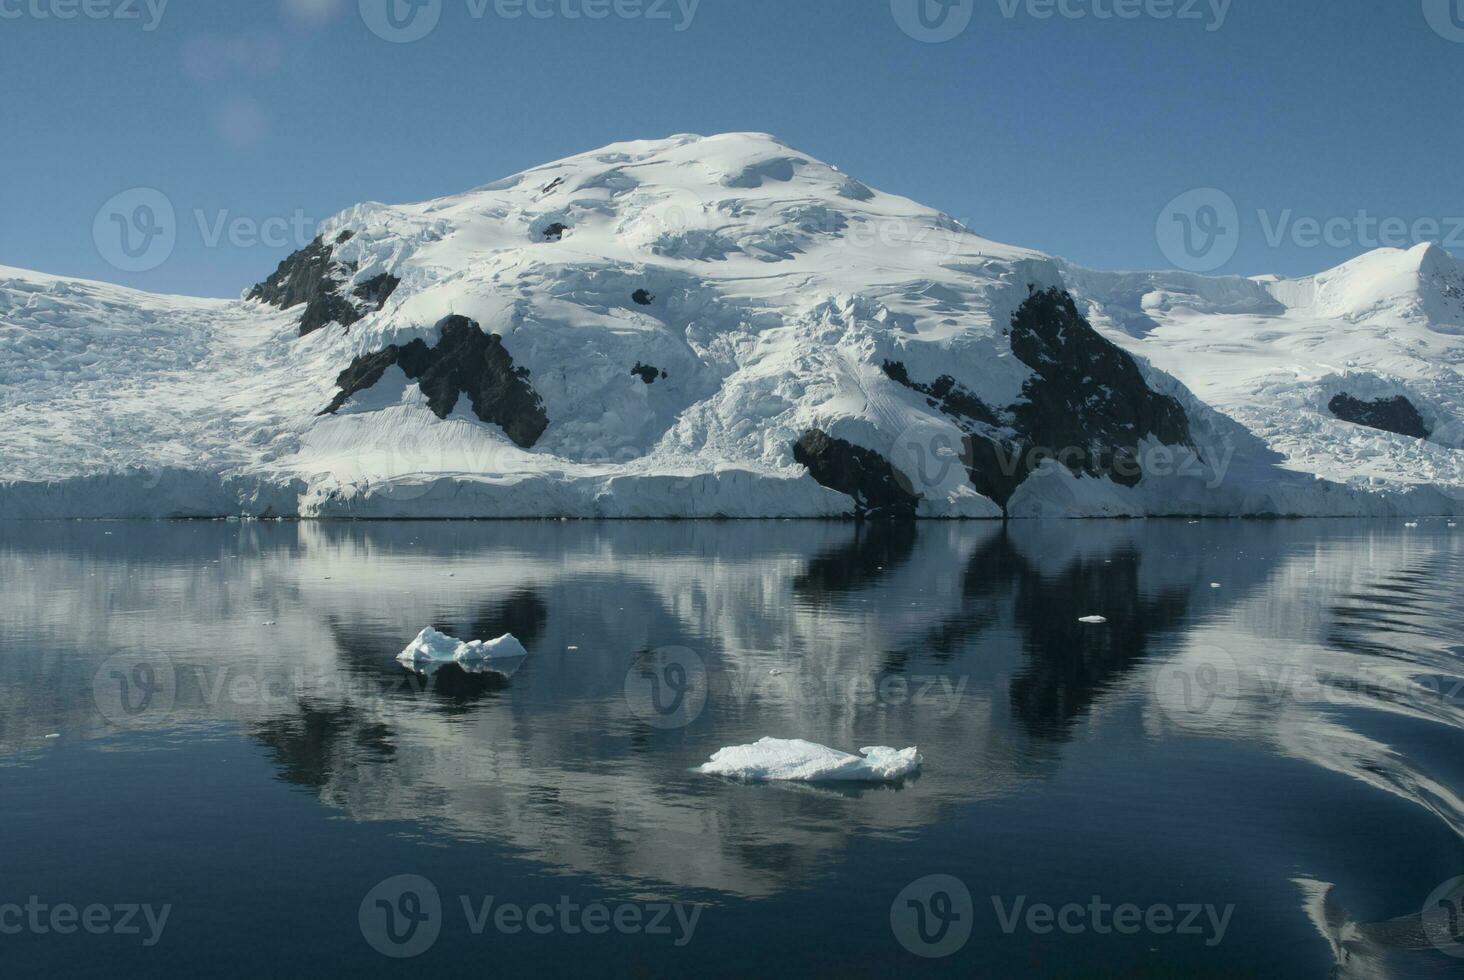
{"type": "Point", "coordinates": [794, 760]}
{"type": "Point", "coordinates": [432, 650]}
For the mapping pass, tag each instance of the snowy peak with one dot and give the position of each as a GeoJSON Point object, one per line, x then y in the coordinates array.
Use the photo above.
{"type": "Point", "coordinates": [1424, 284]}
{"type": "Point", "coordinates": [725, 326]}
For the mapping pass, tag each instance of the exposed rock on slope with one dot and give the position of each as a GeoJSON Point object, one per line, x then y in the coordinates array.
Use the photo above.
{"type": "Point", "coordinates": [1087, 395]}
{"type": "Point", "coordinates": [313, 277]}
{"type": "Point", "coordinates": [944, 393]}
{"type": "Point", "coordinates": [1086, 405]}
{"type": "Point", "coordinates": [1387, 414]}
{"type": "Point", "coordinates": [877, 488]}
{"type": "Point", "coordinates": [465, 361]}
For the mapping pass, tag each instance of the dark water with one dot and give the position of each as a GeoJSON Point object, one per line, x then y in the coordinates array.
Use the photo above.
{"type": "Point", "coordinates": [1259, 779]}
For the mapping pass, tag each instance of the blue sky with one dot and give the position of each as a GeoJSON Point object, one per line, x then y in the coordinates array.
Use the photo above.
{"type": "Point", "coordinates": [1069, 133]}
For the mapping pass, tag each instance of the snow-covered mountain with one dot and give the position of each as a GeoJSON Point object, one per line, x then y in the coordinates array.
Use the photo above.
{"type": "Point", "coordinates": [724, 326]}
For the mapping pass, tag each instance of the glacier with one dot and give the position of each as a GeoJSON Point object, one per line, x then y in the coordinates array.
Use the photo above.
{"type": "Point", "coordinates": [727, 327]}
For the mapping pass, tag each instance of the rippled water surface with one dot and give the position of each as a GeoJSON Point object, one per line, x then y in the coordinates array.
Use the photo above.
{"type": "Point", "coordinates": [1265, 733]}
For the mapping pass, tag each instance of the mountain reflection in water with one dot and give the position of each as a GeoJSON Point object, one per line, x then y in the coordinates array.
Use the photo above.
{"type": "Point", "coordinates": [1063, 759]}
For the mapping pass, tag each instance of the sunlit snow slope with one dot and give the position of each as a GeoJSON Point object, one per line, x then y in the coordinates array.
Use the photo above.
{"type": "Point", "coordinates": [724, 326]}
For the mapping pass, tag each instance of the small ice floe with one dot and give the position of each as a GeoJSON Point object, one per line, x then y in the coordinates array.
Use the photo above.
{"type": "Point", "coordinates": [269, 622]}
{"type": "Point", "coordinates": [776, 672]}
{"type": "Point", "coordinates": [794, 760]}
{"type": "Point", "coordinates": [53, 735]}
{"type": "Point", "coordinates": [1453, 524]}
{"type": "Point", "coordinates": [432, 650]}
{"type": "Point", "coordinates": [1093, 620]}
{"type": "Point", "coordinates": [1411, 524]}
{"type": "Point", "coordinates": [1216, 585]}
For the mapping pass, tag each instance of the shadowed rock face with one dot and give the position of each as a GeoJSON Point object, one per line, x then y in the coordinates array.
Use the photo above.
{"type": "Point", "coordinates": [314, 278]}
{"type": "Point", "coordinates": [1087, 403]}
{"type": "Point", "coordinates": [1087, 392]}
{"type": "Point", "coordinates": [465, 361]}
{"type": "Point", "coordinates": [1387, 414]}
{"type": "Point", "coordinates": [944, 393]}
{"type": "Point", "coordinates": [374, 292]}
{"type": "Point", "coordinates": [878, 490]}
{"type": "Point", "coordinates": [650, 375]}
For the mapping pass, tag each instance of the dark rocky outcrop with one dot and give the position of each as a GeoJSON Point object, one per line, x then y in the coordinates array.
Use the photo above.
{"type": "Point", "coordinates": [313, 277]}
{"type": "Point", "coordinates": [1087, 405]}
{"type": "Point", "coordinates": [878, 489]}
{"type": "Point", "coordinates": [465, 361]}
{"type": "Point", "coordinates": [1388, 414]}
{"type": "Point", "coordinates": [996, 467]}
{"type": "Point", "coordinates": [374, 292]}
{"type": "Point", "coordinates": [1088, 394]}
{"type": "Point", "coordinates": [643, 296]}
{"type": "Point", "coordinates": [555, 232]}
{"type": "Point", "coordinates": [944, 393]}
{"type": "Point", "coordinates": [647, 373]}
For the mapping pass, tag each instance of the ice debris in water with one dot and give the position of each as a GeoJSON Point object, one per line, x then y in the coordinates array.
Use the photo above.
{"type": "Point", "coordinates": [794, 760]}
{"type": "Point", "coordinates": [432, 649]}
{"type": "Point", "coordinates": [1094, 620]}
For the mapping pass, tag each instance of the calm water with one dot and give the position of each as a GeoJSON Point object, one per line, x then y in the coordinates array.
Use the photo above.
{"type": "Point", "coordinates": [1257, 779]}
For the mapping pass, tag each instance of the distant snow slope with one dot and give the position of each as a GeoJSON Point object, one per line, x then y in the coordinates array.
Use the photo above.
{"type": "Point", "coordinates": [723, 326]}
{"type": "Point", "coordinates": [1274, 353]}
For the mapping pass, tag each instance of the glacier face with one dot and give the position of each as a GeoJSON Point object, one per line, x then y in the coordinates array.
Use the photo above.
{"type": "Point", "coordinates": [655, 328]}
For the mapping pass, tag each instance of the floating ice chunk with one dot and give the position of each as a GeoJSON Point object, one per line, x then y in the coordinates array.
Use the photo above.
{"type": "Point", "coordinates": [1411, 524]}
{"type": "Point", "coordinates": [794, 760]}
{"type": "Point", "coordinates": [1216, 585]}
{"type": "Point", "coordinates": [1094, 620]}
{"type": "Point", "coordinates": [432, 649]}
